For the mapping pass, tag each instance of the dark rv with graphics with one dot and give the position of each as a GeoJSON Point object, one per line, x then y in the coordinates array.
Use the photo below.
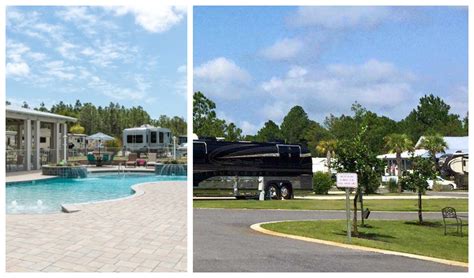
{"type": "Point", "coordinates": [234, 168]}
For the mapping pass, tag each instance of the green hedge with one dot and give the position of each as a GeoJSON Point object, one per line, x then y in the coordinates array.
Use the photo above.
{"type": "Point", "coordinates": [322, 182]}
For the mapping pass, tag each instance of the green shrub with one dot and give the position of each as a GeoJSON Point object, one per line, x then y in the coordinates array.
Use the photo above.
{"type": "Point", "coordinates": [392, 186]}
{"type": "Point", "coordinates": [115, 143]}
{"type": "Point", "coordinates": [322, 182]}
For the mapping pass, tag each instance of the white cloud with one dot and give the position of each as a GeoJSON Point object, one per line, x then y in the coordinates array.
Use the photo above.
{"type": "Point", "coordinates": [248, 128]}
{"type": "Point", "coordinates": [37, 56]}
{"type": "Point", "coordinates": [221, 69]}
{"type": "Point", "coordinates": [60, 70]}
{"type": "Point", "coordinates": [283, 49]}
{"type": "Point", "coordinates": [117, 92]}
{"type": "Point", "coordinates": [52, 31]}
{"type": "Point", "coordinates": [182, 69]}
{"type": "Point", "coordinates": [78, 15]}
{"type": "Point", "coordinates": [88, 51]}
{"type": "Point", "coordinates": [221, 77]}
{"type": "Point", "coordinates": [17, 69]}
{"type": "Point", "coordinates": [107, 52]}
{"type": "Point", "coordinates": [156, 19]}
{"type": "Point", "coordinates": [14, 16]}
{"type": "Point", "coordinates": [340, 17]}
{"type": "Point", "coordinates": [379, 86]}
{"type": "Point", "coordinates": [457, 98]}
{"type": "Point", "coordinates": [87, 19]}
{"type": "Point", "coordinates": [181, 85]}
{"type": "Point", "coordinates": [66, 50]}
{"type": "Point", "coordinates": [15, 51]}
{"type": "Point", "coordinates": [275, 110]}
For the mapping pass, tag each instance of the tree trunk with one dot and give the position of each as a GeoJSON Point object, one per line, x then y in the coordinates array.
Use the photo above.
{"type": "Point", "coordinates": [355, 232]}
{"type": "Point", "coordinates": [399, 171]}
{"type": "Point", "coordinates": [420, 215]}
{"type": "Point", "coordinates": [328, 161]}
{"type": "Point", "coordinates": [436, 164]}
{"type": "Point", "coordinates": [361, 199]}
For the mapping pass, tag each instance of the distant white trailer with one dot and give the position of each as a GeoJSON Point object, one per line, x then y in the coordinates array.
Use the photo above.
{"type": "Point", "coordinates": [77, 141]}
{"type": "Point", "coordinates": [147, 138]}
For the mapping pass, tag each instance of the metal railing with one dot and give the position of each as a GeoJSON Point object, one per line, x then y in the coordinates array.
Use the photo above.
{"type": "Point", "coordinates": [16, 158]}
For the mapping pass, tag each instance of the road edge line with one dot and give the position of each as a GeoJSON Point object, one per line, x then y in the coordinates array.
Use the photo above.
{"type": "Point", "coordinates": [257, 227]}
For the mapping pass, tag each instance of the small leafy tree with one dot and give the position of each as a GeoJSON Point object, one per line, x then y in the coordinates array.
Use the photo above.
{"type": "Point", "coordinates": [416, 180]}
{"type": "Point", "coordinates": [354, 156]}
{"type": "Point", "coordinates": [115, 143]}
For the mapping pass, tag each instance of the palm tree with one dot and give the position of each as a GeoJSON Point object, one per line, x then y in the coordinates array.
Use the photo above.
{"type": "Point", "coordinates": [434, 144]}
{"type": "Point", "coordinates": [398, 143]}
{"type": "Point", "coordinates": [327, 147]}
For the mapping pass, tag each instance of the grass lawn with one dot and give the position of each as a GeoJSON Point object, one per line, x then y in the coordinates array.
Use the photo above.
{"type": "Point", "coordinates": [375, 205]}
{"type": "Point", "coordinates": [409, 237]}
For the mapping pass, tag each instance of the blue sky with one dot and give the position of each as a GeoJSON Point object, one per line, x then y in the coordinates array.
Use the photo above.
{"type": "Point", "coordinates": [130, 55]}
{"type": "Point", "coordinates": [258, 62]}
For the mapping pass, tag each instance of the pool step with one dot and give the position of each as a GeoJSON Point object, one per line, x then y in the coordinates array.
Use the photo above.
{"type": "Point", "coordinates": [69, 208]}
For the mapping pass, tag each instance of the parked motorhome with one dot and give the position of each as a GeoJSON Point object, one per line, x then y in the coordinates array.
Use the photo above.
{"type": "Point", "coordinates": [182, 139]}
{"type": "Point", "coordinates": [147, 138]}
{"type": "Point", "coordinates": [236, 166]}
{"type": "Point", "coordinates": [44, 139]}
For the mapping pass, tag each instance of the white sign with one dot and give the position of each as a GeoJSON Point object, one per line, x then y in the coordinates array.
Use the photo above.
{"type": "Point", "coordinates": [346, 180]}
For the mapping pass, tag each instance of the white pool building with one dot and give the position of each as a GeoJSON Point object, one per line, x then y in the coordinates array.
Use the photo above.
{"type": "Point", "coordinates": [27, 144]}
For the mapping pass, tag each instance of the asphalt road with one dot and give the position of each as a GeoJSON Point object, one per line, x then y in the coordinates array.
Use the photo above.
{"type": "Point", "coordinates": [224, 242]}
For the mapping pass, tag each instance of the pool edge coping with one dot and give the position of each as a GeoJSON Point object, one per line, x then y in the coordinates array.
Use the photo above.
{"type": "Point", "coordinates": [137, 192]}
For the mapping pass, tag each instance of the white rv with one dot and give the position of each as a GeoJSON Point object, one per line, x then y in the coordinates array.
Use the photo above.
{"type": "Point", "coordinates": [147, 138]}
{"type": "Point", "coordinates": [77, 141]}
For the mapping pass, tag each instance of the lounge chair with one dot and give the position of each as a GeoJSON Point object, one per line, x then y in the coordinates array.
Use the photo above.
{"type": "Point", "coordinates": [107, 159]}
{"type": "Point", "coordinates": [91, 159]}
{"type": "Point", "coordinates": [132, 160]}
{"type": "Point", "coordinates": [151, 160]}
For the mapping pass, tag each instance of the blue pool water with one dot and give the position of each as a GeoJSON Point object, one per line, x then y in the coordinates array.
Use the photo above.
{"type": "Point", "coordinates": [46, 196]}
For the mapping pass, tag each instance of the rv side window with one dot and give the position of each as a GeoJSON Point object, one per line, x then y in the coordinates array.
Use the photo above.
{"type": "Point", "coordinates": [153, 137]}
{"type": "Point", "coordinates": [161, 137]}
{"type": "Point", "coordinates": [139, 139]}
{"type": "Point", "coordinates": [129, 139]}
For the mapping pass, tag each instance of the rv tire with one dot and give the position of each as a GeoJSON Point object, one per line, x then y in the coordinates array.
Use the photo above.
{"type": "Point", "coordinates": [286, 191]}
{"type": "Point", "coordinates": [272, 192]}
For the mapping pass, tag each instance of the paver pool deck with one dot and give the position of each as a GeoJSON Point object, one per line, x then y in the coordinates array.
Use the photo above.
{"type": "Point", "coordinates": [145, 233]}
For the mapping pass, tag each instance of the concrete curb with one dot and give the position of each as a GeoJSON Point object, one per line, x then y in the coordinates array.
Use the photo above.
{"type": "Point", "coordinates": [257, 227]}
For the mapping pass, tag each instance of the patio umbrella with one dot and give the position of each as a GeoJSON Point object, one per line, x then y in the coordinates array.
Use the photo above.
{"type": "Point", "coordinates": [101, 137]}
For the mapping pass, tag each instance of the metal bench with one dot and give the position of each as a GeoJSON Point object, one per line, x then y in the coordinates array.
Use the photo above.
{"type": "Point", "coordinates": [450, 213]}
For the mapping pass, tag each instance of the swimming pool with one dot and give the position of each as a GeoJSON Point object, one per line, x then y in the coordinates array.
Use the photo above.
{"type": "Point", "coordinates": [47, 196]}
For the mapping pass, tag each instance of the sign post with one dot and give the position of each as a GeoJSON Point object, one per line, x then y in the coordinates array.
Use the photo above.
{"type": "Point", "coordinates": [347, 181]}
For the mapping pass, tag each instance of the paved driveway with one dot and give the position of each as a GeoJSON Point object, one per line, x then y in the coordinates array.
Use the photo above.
{"type": "Point", "coordinates": [143, 233]}
{"type": "Point", "coordinates": [224, 242]}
